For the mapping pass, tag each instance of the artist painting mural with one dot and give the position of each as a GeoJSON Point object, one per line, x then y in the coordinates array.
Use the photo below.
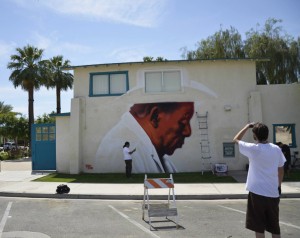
{"type": "Point", "coordinates": [156, 130]}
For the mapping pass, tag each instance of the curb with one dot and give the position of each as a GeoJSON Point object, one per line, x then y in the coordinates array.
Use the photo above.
{"type": "Point", "coordinates": [136, 197]}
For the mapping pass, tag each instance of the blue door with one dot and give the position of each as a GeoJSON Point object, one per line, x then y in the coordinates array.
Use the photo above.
{"type": "Point", "coordinates": [43, 147]}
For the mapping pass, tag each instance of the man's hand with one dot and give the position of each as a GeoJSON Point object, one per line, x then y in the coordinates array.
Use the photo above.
{"type": "Point", "coordinates": [131, 152]}
{"type": "Point", "coordinates": [242, 132]}
{"type": "Point", "coordinates": [251, 125]}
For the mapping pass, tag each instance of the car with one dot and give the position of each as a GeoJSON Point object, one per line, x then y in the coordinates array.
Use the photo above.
{"type": "Point", "coordinates": [9, 146]}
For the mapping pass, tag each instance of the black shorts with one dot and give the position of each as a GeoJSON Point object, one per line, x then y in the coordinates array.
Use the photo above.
{"type": "Point", "coordinates": [262, 214]}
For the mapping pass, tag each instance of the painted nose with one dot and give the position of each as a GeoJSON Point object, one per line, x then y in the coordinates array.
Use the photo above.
{"type": "Point", "coordinates": [187, 130]}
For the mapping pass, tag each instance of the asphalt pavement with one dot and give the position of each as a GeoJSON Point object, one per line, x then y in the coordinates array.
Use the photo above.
{"type": "Point", "coordinates": [16, 180]}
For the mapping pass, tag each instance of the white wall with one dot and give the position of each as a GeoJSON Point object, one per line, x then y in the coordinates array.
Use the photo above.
{"type": "Point", "coordinates": [222, 84]}
{"type": "Point", "coordinates": [281, 105]}
{"type": "Point", "coordinates": [63, 143]}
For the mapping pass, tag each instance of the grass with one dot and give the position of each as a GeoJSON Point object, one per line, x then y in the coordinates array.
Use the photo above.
{"type": "Point", "coordinates": [207, 177]}
{"type": "Point", "coordinates": [195, 177]}
{"type": "Point", "coordinates": [294, 176]}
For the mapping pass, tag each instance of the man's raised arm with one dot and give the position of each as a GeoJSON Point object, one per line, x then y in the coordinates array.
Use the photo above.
{"type": "Point", "coordinates": [242, 132]}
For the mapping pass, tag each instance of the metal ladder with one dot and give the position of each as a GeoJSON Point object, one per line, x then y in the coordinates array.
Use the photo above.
{"type": "Point", "coordinates": [206, 164]}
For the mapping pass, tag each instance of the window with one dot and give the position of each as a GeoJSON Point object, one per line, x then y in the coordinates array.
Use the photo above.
{"type": "Point", "coordinates": [163, 81]}
{"type": "Point", "coordinates": [285, 133]}
{"type": "Point", "coordinates": [108, 83]}
{"type": "Point", "coordinates": [45, 133]}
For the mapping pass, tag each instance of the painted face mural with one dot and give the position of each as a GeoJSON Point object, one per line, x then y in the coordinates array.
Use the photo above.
{"type": "Point", "coordinates": [166, 124]}
{"type": "Point", "coordinates": [156, 130]}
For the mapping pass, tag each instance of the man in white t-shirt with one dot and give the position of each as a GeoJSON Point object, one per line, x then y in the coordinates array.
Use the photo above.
{"type": "Point", "coordinates": [264, 179]}
{"type": "Point", "coordinates": [127, 158]}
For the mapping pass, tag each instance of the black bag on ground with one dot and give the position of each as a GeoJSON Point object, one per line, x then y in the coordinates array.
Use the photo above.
{"type": "Point", "coordinates": [63, 188]}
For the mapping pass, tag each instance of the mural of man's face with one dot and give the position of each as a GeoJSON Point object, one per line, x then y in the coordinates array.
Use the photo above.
{"type": "Point", "coordinates": [172, 128]}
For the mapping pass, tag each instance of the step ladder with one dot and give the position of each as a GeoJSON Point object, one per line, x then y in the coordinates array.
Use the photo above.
{"type": "Point", "coordinates": [206, 164]}
{"type": "Point", "coordinates": [160, 209]}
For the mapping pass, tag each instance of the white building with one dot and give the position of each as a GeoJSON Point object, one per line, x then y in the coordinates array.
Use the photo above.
{"type": "Point", "coordinates": [224, 89]}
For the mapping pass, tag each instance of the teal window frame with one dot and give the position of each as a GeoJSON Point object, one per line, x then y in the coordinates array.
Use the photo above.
{"type": "Point", "coordinates": [293, 132]}
{"type": "Point", "coordinates": [92, 94]}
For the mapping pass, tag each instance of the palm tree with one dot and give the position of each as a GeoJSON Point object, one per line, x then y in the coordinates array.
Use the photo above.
{"type": "Point", "coordinates": [28, 71]}
{"type": "Point", "coordinates": [58, 78]}
{"type": "Point", "coordinates": [5, 108]}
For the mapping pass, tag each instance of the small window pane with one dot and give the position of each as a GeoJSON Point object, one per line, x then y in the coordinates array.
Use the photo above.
{"type": "Point", "coordinates": [45, 129]}
{"type": "Point", "coordinates": [44, 137]}
{"type": "Point", "coordinates": [117, 83]}
{"type": "Point", "coordinates": [172, 82]}
{"type": "Point", "coordinates": [153, 82]}
{"type": "Point", "coordinates": [51, 129]}
{"type": "Point", "coordinates": [38, 137]}
{"type": "Point", "coordinates": [100, 84]}
{"type": "Point", "coordinates": [51, 137]}
{"type": "Point", "coordinates": [38, 130]}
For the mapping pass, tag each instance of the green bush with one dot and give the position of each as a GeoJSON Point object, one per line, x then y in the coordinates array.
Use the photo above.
{"type": "Point", "coordinates": [4, 155]}
{"type": "Point", "coordinates": [15, 154]}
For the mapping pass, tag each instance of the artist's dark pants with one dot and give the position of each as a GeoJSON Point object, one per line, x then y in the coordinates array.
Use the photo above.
{"type": "Point", "coordinates": [128, 168]}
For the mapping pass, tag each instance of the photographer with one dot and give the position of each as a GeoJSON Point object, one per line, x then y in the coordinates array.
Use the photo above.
{"type": "Point", "coordinates": [264, 179]}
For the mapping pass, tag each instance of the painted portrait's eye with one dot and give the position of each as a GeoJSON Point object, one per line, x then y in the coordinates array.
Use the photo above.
{"type": "Point", "coordinates": [183, 123]}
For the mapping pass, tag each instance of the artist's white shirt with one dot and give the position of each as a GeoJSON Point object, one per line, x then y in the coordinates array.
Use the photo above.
{"type": "Point", "coordinates": [126, 153]}
{"type": "Point", "coordinates": [144, 159]}
{"type": "Point", "coordinates": [264, 160]}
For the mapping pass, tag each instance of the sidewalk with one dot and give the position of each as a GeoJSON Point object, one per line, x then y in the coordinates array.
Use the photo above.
{"type": "Point", "coordinates": [20, 184]}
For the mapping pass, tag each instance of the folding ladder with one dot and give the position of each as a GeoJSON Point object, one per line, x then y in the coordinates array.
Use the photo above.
{"type": "Point", "coordinates": [161, 209]}
{"type": "Point", "coordinates": [206, 164]}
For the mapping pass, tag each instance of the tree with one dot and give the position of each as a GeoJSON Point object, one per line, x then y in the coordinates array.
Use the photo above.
{"type": "Point", "coordinates": [5, 108]}
{"type": "Point", "coordinates": [223, 44]}
{"type": "Point", "coordinates": [17, 128]}
{"type": "Point", "coordinates": [148, 59]}
{"type": "Point", "coordinates": [59, 79]}
{"type": "Point", "coordinates": [281, 49]}
{"type": "Point", "coordinates": [28, 72]}
{"type": "Point", "coordinates": [45, 118]}
{"type": "Point", "coordinates": [12, 125]}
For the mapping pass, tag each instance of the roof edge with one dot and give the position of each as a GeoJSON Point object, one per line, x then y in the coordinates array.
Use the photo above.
{"type": "Point", "coordinates": [167, 61]}
{"type": "Point", "coordinates": [65, 114]}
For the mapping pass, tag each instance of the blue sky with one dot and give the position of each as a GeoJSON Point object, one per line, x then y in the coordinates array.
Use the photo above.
{"type": "Point", "coordinates": [111, 31]}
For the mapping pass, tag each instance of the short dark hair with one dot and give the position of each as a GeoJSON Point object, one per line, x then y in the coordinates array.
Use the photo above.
{"type": "Point", "coordinates": [261, 131]}
{"type": "Point", "coordinates": [126, 144]}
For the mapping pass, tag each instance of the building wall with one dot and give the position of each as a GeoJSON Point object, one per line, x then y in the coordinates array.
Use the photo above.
{"type": "Point", "coordinates": [227, 90]}
{"type": "Point", "coordinates": [280, 105]}
{"type": "Point", "coordinates": [63, 143]}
